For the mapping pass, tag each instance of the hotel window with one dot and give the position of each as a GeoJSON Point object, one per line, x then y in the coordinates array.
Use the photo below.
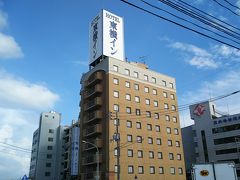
{"type": "Point", "coordinates": [136, 87]}
{"type": "Point", "coordinates": [129, 124]}
{"type": "Point", "coordinates": [130, 170]}
{"type": "Point", "coordinates": [130, 153]}
{"type": "Point", "coordinates": [137, 99]}
{"type": "Point", "coordinates": [146, 89]}
{"type": "Point", "coordinates": [172, 170]}
{"type": "Point", "coordinates": [140, 170]}
{"type": "Point", "coordinates": [115, 81]}
{"type": "Point", "coordinates": [172, 96]}
{"type": "Point", "coordinates": [170, 155]}
{"type": "Point", "coordinates": [179, 157]}
{"type": "Point", "coordinates": [171, 85]}
{"type": "Point", "coordinates": [128, 97]}
{"type": "Point", "coordinates": [165, 106]}
{"type": "Point", "coordinates": [148, 114]}
{"type": "Point", "coordinates": [157, 127]}
{"type": "Point", "coordinates": [116, 94]}
{"type": "Point", "coordinates": [128, 110]}
{"type": "Point", "coordinates": [155, 103]}
{"type": "Point", "coordinates": [161, 170]}
{"type": "Point", "coordinates": [129, 138]}
{"type": "Point", "coordinates": [116, 168]}
{"type": "Point", "coordinates": [180, 171]}
{"type": "Point", "coordinates": [159, 142]}
{"type": "Point", "coordinates": [173, 107]}
{"type": "Point", "coordinates": [127, 84]}
{"type": "Point", "coordinates": [149, 127]}
{"type": "Point", "coordinates": [154, 92]}
{"type": "Point", "coordinates": [154, 80]}
{"type": "Point", "coordinates": [115, 68]}
{"type": "Point", "coordinates": [139, 139]}
{"type": "Point", "coordinates": [156, 115]}
{"type": "Point", "coordinates": [116, 107]}
{"type": "Point", "coordinates": [138, 112]}
{"type": "Point", "coordinates": [176, 131]}
{"type": "Point", "coordinates": [135, 74]}
{"type": "Point", "coordinates": [150, 140]}
{"type": "Point", "coordinates": [169, 142]}
{"type": "Point", "coordinates": [140, 153]}
{"type": "Point", "coordinates": [115, 151]}
{"type": "Point", "coordinates": [160, 155]}
{"type": "Point", "coordinates": [167, 117]}
{"type": "Point", "coordinates": [151, 154]}
{"type": "Point", "coordinates": [164, 83]}
{"type": "Point", "coordinates": [174, 119]}
{"type": "Point", "coordinates": [145, 77]}
{"type": "Point", "coordinates": [152, 170]}
{"type": "Point", "coordinates": [50, 139]}
{"type": "Point", "coordinates": [147, 101]}
{"type": "Point", "coordinates": [168, 130]}
{"type": "Point", "coordinates": [177, 143]}
{"type": "Point", "coordinates": [165, 94]}
{"type": "Point", "coordinates": [138, 125]}
{"type": "Point", "coordinates": [127, 72]}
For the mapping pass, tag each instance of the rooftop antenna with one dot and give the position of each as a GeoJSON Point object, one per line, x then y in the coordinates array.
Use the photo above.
{"type": "Point", "coordinates": [143, 59]}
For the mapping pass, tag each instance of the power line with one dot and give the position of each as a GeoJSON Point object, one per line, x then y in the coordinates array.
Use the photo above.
{"type": "Point", "coordinates": [231, 4]}
{"type": "Point", "coordinates": [189, 22]}
{"type": "Point", "coordinates": [16, 146]}
{"type": "Point", "coordinates": [226, 7]}
{"type": "Point", "coordinates": [178, 24]}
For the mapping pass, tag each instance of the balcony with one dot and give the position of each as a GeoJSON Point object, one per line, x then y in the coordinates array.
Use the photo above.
{"type": "Point", "coordinates": [91, 175]}
{"type": "Point", "coordinates": [92, 159]}
{"type": "Point", "coordinates": [93, 91]}
{"type": "Point", "coordinates": [93, 104]}
{"type": "Point", "coordinates": [93, 130]}
{"type": "Point", "coordinates": [94, 79]}
{"type": "Point", "coordinates": [91, 117]}
{"type": "Point", "coordinates": [97, 142]}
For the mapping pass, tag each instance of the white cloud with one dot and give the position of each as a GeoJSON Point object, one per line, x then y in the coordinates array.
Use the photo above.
{"type": "Point", "coordinates": [18, 93]}
{"type": "Point", "coordinates": [9, 48]}
{"type": "Point", "coordinates": [203, 63]}
{"type": "Point", "coordinates": [238, 5]}
{"type": "Point", "coordinates": [226, 51]}
{"type": "Point", "coordinates": [3, 20]}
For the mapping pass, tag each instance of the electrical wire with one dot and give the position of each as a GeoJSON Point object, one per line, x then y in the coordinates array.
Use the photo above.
{"type": "Point", "coordinates": [220, 4]}
{"type": "Point", "coordinates": [231, 4]}
{"type": "Point", "coordinates": [16, 146]}
{"type": "Point", "coordinates": [178, 24]}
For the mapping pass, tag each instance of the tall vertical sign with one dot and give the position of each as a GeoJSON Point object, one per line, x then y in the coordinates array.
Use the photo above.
{"type": "Point", "coordinates": [106, 36]}
{"type": "Point", "coordinates": [75, 150]}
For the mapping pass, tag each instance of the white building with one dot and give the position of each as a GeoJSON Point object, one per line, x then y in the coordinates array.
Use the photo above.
{"type": "Point", "coordinates": [214, 137]}
{"type": "Point", "coordinates": [47, 148]}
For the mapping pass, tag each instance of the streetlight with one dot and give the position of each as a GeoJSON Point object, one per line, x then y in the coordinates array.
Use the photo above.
{"type": "Point", "coordinates": [97, 154]}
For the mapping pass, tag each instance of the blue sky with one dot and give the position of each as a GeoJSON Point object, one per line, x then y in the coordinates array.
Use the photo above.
{"type": "Point", "coordinates": [44, 51]}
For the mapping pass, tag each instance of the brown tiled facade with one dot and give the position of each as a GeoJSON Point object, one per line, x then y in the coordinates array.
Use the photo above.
{"type": "Point", "coordinates": [146, 105]}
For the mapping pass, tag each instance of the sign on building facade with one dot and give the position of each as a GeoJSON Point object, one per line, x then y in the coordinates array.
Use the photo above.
{"type": "Point", "coordinates": [75, 150]}
{"type": "Point", "coordinates": [106, 36]}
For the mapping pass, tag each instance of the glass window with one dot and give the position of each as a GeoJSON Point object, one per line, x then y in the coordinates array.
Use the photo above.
{"type": "Point", "coordinates": [159, 142]}
{"type": "Point", "coordinates": [161, 170]}
{"type": "Point", "coordinates": [179, 157]}
{"type": "Point", "coordinates": [171, 85]}
{"type": "Point", "coordinates": [129, 138]}
{"type": "Point", "coordinates": [164, 83]}
{"type": "Point", "coordinates": [49, 147]}
{"type": "Point", "coordinates": [149, 127]}
{"type": "Point", "coordinates": [160, 155]}
{"type": "Point", "coordinates": [154, 92]}
{"type": "Point", "coordinates": [140, 170]}
{"type": "Point", "coordinates": [174, 119]}
{"type": "Point", "coordinates": [165, 94]}
{"type": "Point", "coordinates": [155, 103]}
{"type": "Point", "coordinates": [169, 142]}
{"type": "Point", "coordinates": [172, 96]}
{"type": "Point", "coordinates": [138, 112]}
{"type": "Point", "coordinates": [127, 84]}
{"type": "Point", "coordinates": [147, 101]}
{"type": "Point", "coordinates": [50, 139]}
{"type": "Point", "coordinates": [150, 140]}
{"type": "Point", "coordinates": [165, 106]}
{"type": "Point", "coordinates": [148, 113]}
{"type": "Point", "coordinates": [140, 153]}
{"type": "Point", "coordinates": [177, 144]}
{"type": "Point", "coordinates": [128, 110]}
{"type": "Point", "coordinates": [49, 156]}
{"type": "Point", "coordinates": [115, 168]}
{"type": "Point", "coordinates": [115, 81]}
{"type": "Point", "coordinates": [116, 107]}
{"type": "Point", "coordinates": [51, 130]}
{"type": "Point", "coordinates": [176, 131]}
{"type": "Point", "coordinates": [151, 154]}
{"type": "Point", "coordinates": [173, 107]}
{"type": "Point", "coordinates": [168, 130]}
{"type": "Point", "coordinates": [127, 72]}
{"type": "Point", "coordinates": [48, 164]}
{"type": "Point", "coordinates": [157, 127]}
{"type": "Point", "coordinates": [136, 87]}
{"type": "Point", "coordinates": [135, 74]}
{"type": "Point", "coordinates": [138, 125]}
{"type": "Point", "coordinates": [145, 77]}
{"type": "Point", "coordinates": [115, 152]}
{"type": "Point", "coordinates": [47, 174]}
{"type": "Point", "coordinates": [152, 170]}
{"type": "Point", "coordinates": [139, 139]}
{"type": "Point", "coordinates": [115, 68]}
{"type": "Point", "coordinates": [129, 124]}
{"type": "Point", "coordinates": [170, 155]}
{"type": "Point", "coordinates": [156, 115]}
{"type": "Point", "coordinates": [154, 80]}
{"type": "Point", "coordinates": [180, 171]}
{"type": "Point", "coordinates": [172, 170]}
{"type": "Point", "coordinates": [116, 94]}
{"type": "Point", "coordinates": [130, 153]}
{"type": "Point", "coordinates": [130, 170]}
{"type": "Point", "coordinates": [137, 99]}
{"type": "Point", "coordinates": [146, 89]}
{"type": "Point", "coordinates": [128, 97]}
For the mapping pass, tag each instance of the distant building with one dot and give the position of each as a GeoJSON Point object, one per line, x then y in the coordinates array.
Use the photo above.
{"type": "Point", "coordinates": [214, 137]}
{"type": "Point", "coordinates": [46, 154]}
